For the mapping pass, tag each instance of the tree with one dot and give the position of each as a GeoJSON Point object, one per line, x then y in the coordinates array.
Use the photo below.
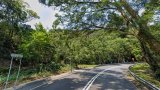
{"type": "Point", "coordinates": [37, 49]}
{"type": "Point", "coordinates": [13, 16]}
{"type": "Point", "coordinates": [114, 15]}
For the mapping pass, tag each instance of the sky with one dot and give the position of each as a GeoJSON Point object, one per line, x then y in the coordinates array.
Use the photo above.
{"type": "Point", "coordinates": [45, 13]}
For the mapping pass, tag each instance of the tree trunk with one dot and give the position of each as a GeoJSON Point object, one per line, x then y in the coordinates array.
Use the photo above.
{"type": "Point", "coordinates": [150, 39]}
{"type": "Point", "coordinates": [146, 39]}
{"type": "Point", "coordinates": [149, 57]}
{"type": "Point", "coordinates": [143, 29]}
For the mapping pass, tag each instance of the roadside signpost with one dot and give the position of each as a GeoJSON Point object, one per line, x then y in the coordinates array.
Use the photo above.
{"type": "Point", "coordinates": [14, 57]}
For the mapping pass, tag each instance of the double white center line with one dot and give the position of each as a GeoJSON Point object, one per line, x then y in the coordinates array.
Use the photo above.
{"type": "Point", "coordinates": [88, 85]}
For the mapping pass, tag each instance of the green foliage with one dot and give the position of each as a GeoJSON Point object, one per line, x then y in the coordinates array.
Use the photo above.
{"type": "Point", "coordinates": [88, 14]}
{"type": "Point", "coordinates": [120, 15]}
{"type": "Point", "coordinates": [49, 51]}
{"type": "Point", "coordinates": [80, 47]}
{"type": "Point", "coordinates": [52, 50]}
{"type": "Point", "coordinates": [13, 15]}
{"type": "Point", "coordinates": [37, 47]}
{"type": "Point", "coordinates": [84, 66]}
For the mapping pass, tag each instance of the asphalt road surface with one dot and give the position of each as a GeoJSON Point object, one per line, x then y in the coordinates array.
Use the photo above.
{"type": "Point", "coordinates": [107, 77]}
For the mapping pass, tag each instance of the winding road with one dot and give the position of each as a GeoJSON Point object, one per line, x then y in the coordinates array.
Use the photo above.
{"type": "Point", "coordinates": [106, 77]}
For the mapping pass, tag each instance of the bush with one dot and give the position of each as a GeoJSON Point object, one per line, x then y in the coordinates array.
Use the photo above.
{"type": "Point", "coordinates": [52, 66]}
{"type": "Point", "coordinates": [157, 73]}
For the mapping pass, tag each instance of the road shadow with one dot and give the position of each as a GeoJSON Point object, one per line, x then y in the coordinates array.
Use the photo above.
{"type": "Point", "coordinates": [112, 80]}
{"type": "Point", "coordinates": [109, 80]}
{"type": "Point", "coordinates": [75, 81]}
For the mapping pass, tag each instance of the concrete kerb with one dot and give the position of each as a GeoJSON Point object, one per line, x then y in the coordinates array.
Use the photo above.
{"type": "Point", "coordinates": [149, 85]}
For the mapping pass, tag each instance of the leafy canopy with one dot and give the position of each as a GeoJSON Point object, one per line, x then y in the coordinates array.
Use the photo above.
{"type": "Point", "coordinates": [106, 14]}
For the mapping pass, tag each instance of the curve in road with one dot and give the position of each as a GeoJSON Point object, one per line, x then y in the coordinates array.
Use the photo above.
{"type": "Point", "coordinates": [106, 77]}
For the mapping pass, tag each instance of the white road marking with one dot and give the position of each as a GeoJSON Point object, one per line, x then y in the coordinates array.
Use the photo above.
{"type": "Point", "coordinates": [88, 85]}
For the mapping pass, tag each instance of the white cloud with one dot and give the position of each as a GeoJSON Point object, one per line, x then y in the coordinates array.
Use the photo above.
{"type": "Point", "coordinates": [45, 13]}
{"type": "Point", "coordinates": [141, 11]}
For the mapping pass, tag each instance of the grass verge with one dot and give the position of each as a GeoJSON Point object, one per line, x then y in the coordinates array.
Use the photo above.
{"type": "Point", "coordinates": [85, 66]}
{"type": "Point", "coordinates": [143, 71]}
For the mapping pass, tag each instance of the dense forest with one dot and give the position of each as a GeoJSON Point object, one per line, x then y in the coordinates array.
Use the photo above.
{"type": "Point", "coordinates": [123, 37]}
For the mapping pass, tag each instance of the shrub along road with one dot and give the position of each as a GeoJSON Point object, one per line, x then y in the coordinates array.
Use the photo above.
{"type": "Point", "coordinates": [106, 77]}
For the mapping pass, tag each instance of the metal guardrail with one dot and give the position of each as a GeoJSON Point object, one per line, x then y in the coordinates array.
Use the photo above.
{"type": "Point", "coordinates": [144, 82]}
